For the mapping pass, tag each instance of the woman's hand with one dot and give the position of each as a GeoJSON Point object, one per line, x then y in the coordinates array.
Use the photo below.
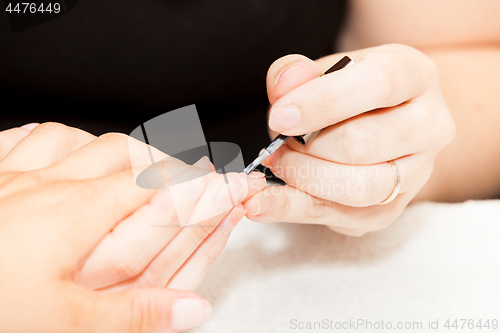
{"type": "Point", "coordinates": [387, 106]}
{"type": "Point", "coordinates": [72, 220]}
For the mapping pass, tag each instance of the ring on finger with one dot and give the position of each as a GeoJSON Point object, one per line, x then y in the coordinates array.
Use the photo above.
{"type": "Point", "coordinates": [397, 183]}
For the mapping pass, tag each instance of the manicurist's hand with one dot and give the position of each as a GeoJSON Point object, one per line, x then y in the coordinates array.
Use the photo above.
{"type": "Point", "coordinates": [387, 106]}
{"type": "Point", "coordinates": [84, 249]}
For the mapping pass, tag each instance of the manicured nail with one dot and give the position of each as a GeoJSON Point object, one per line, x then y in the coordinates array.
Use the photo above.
{"type": "Point", "coordinates": [273, 162]}
{"type": "Point", "coordinates": [229, 196]}
{"type": "Point", "coordinates": [188, 313]}
{"type": "Point", "coordinates": [256, 175]}
{"type": "Point", "coordinates": [284, 118]}
{"type": "Point", "coordinates": [204, 163]}
{"type": "Point", "coordinates": [263, 204]}
{"type": "Point", "coordinates": [30, 126]}
{"type": "Point", "coordinates": [288, 70]}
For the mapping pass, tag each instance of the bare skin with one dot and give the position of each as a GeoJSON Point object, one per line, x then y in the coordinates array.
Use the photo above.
{"type": "Point", "coordinates": [82, 250]}
{"type": "Point", "coordinates": [61, 272]}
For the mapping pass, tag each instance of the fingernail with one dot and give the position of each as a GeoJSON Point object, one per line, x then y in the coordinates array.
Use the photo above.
{"type": "Point", "coordinates": [229, 196]}
{"type": "Point", "coordinates": [264, 161]}
{"type": "Point", "coordinates": [188, 313]}
{"type": "Point", "coordinates": [204, 163]}
{"type": "Point", "coordinates": [288, 70]}
{"type": "Point", "coordinates": [256, 175]}
{"type": "Point", "coordinates": [273, 162]}
{"type": "Point", "coordinates": [30, 126]}
{"type": "Point", "coordinates": [263, 205]}
{"type": "Point", "coordinates": [284, 118]}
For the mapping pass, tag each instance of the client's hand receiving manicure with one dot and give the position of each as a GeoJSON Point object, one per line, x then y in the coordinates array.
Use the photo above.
{"type": "Point", "coordinates": [72, 220]}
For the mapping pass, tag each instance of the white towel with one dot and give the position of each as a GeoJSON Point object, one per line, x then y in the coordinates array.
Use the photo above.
{"type": "Point", "coordinates": [437, 262]}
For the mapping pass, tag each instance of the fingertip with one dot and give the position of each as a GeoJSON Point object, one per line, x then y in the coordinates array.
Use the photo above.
{"type": "Point", "coordinates": [256, 175]}
{"type": "Point", "coordinates": [188, 313]}
{"type": "Point", "coordinates": [29, 127]}
{"type": "Point", "coordinates": [252, 183]}
{"type": "Point", "coordinates": [249, 207]}
{"type": "Point", "coordinates": [204, 163]}
{"type": "Point", "coordinates": [289, 72]}
{"type": "Point", "coordinates": [273, 161]}
{"type": "Point", "coordinates": [257, 181]}
{"type": "Point", "coordinates": [258, 206]}
{"type": "Point", "coordinates": [145, 309]}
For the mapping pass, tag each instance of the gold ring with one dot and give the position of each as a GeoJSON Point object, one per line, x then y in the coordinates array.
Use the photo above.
{"type": "Point", "coordinates": [397, 183]}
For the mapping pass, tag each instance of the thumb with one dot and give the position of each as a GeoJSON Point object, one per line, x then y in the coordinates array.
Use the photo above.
{"type": "Point", "coordinates": [148, 310]}
{"type": "Point", "coordinates": [288, 73]}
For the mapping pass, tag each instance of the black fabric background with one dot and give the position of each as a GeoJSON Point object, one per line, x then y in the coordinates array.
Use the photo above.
{"type": "Point", "coordinates": [111, 65]}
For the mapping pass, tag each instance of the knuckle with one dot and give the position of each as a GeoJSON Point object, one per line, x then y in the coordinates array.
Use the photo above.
{"type": "Point", "coordinates": [54, 126]}
{"type": "Point", "coordinates": [448, 130]}
{"type": "Point", "coordinates": [9, 139]}
{"type": "Point", "coordinates": [75, 192]}
{"type": "Point", "coordinates": [327, 99]}
{"type": "Point", "coordinates": [317, 208]}
{"type": "Point", "coordinates": [17, 182]}
{"type": "Point", "coordinates": [5, 178]}
{"type": "Point", "coordinates": [33, 178]}
{"type": "Point", "coordinates": [365, 189]}
{"type": "Point", "coordinates": [126, 269]}
{"type": "Point", "coordinates": [199, 232]}
{"type": "Point", "coordinates": [210, 259]}
{"type": "Point", "coordinates": [120, 139]}
{"type": "Point", "coordinates": [283, 210]}
{"type": "Point", "coordinates": [141, 314]}
{"type": "Point", "coordinates": [429, 74]}
{"type": "Point", "coordinates": [444, 129]}
{"type": "Point", "coordinates": [213, 254]}
{"type": "Point", "coordinates": [451, 131]}
{"type": "Point", "coordinates": [421, 114]}
{"type": "Point", "coordinates": [57, 129]}
{"type": "Point", "coordinates": [147, 280]}
{"type": "Point", "coordinates": [289, 167]}
{"type": "Point", "coordinates": [432, 67]}
{"type": "Point", "coordinates": [384, 79]}
{"type": "Point", "coordinates": [357, 143]}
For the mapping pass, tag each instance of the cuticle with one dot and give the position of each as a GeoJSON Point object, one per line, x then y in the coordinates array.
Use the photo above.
{"type": "Point", "coordinates": [287, 69]}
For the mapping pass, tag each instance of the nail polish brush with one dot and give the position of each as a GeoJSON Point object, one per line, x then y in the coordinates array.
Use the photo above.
{"type": "Point", "coordinates": [302, 139]}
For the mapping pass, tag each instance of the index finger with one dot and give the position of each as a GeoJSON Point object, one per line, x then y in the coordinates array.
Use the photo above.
{"type": "Point", "coordinates": [381, 77]}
